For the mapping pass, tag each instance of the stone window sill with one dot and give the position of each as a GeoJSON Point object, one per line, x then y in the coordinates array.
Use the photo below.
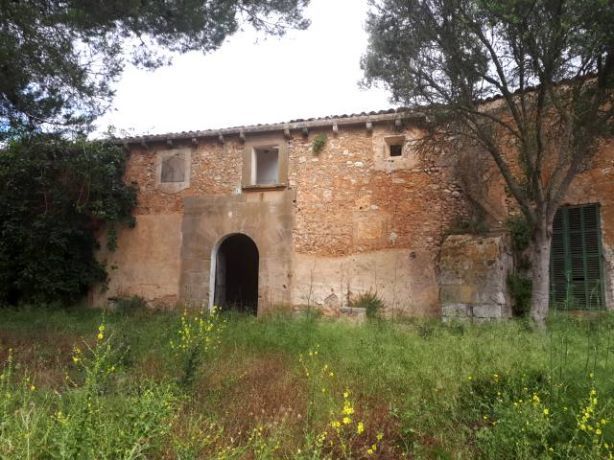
{"type": "Point", "coordinates": [248, 188]}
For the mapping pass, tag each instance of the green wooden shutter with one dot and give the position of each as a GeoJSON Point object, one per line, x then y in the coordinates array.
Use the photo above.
{"type": "Point", "coordinates": [576, 272]}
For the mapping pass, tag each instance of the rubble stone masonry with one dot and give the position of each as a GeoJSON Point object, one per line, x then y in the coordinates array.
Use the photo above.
{"type": "Point", "coordinates": [348, 220]}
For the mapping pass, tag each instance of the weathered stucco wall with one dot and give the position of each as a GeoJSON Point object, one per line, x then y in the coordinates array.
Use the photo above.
{"type": "Point", "coordinates": [266, 217]}
{"type": "Point", "coordinates": [404, 281]}
{"type": "Point", "coordinates": [349, 220]}
{"type": "Point", "coordinates": [147, 262]}
{"type": "Point", "coordinates": [352, 220]}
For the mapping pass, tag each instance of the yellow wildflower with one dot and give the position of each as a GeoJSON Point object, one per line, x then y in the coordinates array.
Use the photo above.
{"type": "Point", "coordinates": [347, 420]}
{"type": "Point", "coordinates": [360, 428]}
{"type": "Point", "coordinates": [347, 409]}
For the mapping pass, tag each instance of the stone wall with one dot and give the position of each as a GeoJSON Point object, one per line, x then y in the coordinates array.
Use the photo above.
{"type": "Point", "coordinates": [594, 185]}
{"type": "Point", "coordinates": [369, 222]}
{"type": "Point", "coordinates": [473, 277]}
{"type": "Point", "coordinates": [266, 217]}
{"type": "Point", "coordinates": [349, 220]}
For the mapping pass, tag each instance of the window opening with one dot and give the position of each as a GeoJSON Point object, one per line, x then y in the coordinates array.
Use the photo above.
{"type": "Point", "coordinates": [394, 145]}
{"type": "Point", "coordinates": [396, 150]}
{"type": "Point", "coordinates": [265, 166]}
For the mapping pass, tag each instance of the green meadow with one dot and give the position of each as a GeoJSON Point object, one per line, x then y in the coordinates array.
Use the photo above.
{"type": "Point", "coordinates": [136, 383]}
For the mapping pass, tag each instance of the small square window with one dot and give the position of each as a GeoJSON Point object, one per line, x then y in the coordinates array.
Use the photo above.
{"type": "Point", "coordinates": [265, 166]}
{"type": "Point", "coordinates": [173, 169]}
{"type": "Point", "coordinates": [394, 145]}
{"type": "Point", "coordinates": [396, 150]}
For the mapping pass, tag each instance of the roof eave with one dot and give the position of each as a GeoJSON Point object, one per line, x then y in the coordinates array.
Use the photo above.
{"type": "Point", "coordinates": [301, 125]}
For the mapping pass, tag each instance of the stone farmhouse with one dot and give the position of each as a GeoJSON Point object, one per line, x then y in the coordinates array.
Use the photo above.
{"type": "Point", "coordinates": [316, 212]}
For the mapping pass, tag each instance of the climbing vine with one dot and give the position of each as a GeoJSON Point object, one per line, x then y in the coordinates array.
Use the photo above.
{"type": "Point", "coordinates": [56, 196]}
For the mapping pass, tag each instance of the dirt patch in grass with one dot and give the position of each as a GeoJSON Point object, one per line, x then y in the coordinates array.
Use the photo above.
{"type": "Point", "coordinates": [254, 390]}
{"type": "Point", "coordinates": [42, 355]}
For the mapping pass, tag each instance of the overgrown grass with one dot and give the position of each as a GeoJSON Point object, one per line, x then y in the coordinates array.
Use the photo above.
{"type": "Point", "coordinates": [283, 387]}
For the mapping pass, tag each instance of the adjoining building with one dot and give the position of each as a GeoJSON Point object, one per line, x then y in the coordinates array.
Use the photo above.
{"type": "Point", "coordinates": [316, 212]}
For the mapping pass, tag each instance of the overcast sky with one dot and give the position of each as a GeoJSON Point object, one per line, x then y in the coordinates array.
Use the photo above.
{"type": "Point", "coordinates": [254, 80]}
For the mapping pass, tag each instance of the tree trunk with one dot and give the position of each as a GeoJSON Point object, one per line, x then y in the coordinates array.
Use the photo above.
{"type": "Point", "coordinates": [540, 266]}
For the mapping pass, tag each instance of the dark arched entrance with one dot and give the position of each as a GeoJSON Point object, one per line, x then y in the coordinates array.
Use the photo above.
{"type": "Point", "coordinates": [236, 274]}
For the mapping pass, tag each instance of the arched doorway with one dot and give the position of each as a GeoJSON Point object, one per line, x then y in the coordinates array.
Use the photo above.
{"type": "Point", "coordinates": [236, 274]}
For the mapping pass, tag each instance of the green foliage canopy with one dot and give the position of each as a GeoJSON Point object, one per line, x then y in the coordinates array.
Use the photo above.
{"type": "Point", "coordinates": [55, 196]}
{"type": "Point", "coordinates": [58, 59]}
{"type": "Point", "coordinates": [549, 63]}
{"type": "Point", "coordinates": [449, 55]}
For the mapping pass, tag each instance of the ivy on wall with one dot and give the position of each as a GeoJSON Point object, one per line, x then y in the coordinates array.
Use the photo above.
{"type": "Point", "coordinates": [56, 195]}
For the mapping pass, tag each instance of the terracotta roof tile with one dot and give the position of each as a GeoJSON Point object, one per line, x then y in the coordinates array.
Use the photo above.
{"type": "Point", "coordinates": [345, 119]}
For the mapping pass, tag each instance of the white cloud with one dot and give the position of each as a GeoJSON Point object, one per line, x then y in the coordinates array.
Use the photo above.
{"type": "Point", "coordinates": [254, 80]}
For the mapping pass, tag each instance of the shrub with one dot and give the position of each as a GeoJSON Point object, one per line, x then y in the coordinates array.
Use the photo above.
{"type": "Point", "coordinates": [318, 144]}
{"type": "Point", "coordinates": [370, 302]}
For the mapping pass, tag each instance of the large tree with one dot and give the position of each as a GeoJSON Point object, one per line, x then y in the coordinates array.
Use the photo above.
{"type": "Point", "coordinates": [59, 58]}
{"type": "Point", "coordinates": [550, 63]}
